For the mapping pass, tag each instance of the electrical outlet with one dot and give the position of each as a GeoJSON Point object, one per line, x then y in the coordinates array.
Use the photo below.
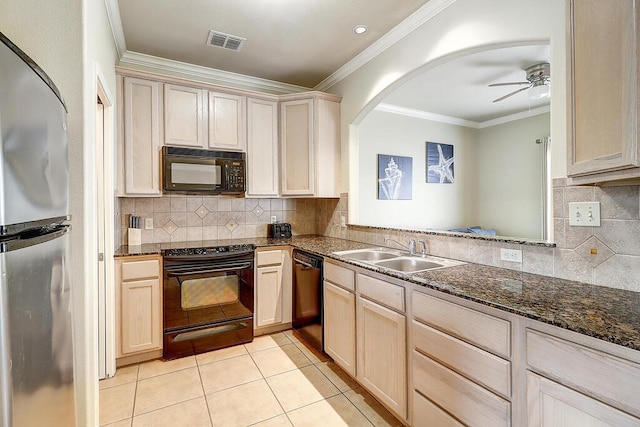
{"type": "Point", "coordinates": [512, 255]}
{"type": "Point", "coordinates": [343, 221]}
{"type": "Point", "coordinates": [148, 223]}
{"type": "Point", "coordinates": [274, 219]}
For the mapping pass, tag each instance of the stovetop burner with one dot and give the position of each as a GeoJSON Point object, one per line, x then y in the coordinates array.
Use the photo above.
{"type": "Point", "coordinates": [208, 250]}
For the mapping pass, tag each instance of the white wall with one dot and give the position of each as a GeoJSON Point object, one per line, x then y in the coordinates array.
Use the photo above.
{"type": "Point", "coordinates": [465, 26]}
{"type": "Point", "coordinates": [510, 177]}
{"type": "Point", "coordinates": [65, 37]}
{"type": "Point", "coordinates": [99, 57]}
{"type": "Point", "coordinates": [439, 206]}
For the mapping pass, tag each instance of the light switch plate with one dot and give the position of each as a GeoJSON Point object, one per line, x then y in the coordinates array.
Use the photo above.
{"type": "Point", "coordinates": [584, 214]}
{"type": "Point", "coordinates": [148, 223]}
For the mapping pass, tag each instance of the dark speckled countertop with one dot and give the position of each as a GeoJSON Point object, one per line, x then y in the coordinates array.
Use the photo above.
{"type": "Point", "coordinates": [609, 314]}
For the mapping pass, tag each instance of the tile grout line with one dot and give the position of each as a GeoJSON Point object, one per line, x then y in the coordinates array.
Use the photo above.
{"type": "Point", "coordinates": [204, 394]}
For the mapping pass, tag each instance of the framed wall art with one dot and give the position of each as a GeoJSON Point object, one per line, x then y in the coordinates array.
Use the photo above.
{"type": "Point", "coordinates": [394, 177]}
{"type": "Point", "coordinates": [440, 163]}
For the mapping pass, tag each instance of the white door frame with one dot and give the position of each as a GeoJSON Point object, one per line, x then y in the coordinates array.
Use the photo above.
{"type": "Point", "coordinates": [106, 298]}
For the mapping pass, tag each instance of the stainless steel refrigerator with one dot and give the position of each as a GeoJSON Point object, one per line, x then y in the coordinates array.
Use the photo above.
{"type": "Point", "coordinates": [36, 352]}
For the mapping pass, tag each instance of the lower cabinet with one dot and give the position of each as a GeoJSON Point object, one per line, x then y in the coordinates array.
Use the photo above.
{"type": "Point", "coordinates": [552, 404]}
{"type": "Point", "coordinates": [139, 306]}
{"type": "Point", "coordinates": [573, 384]}
{"type": "Point", "coordinates": [459, 372]}
{"type": "Point", "coordinates": [381, 342]}
{"type": "Point", "coordinates": [272, 295]}
{"type": "Point", "coordinates": [340, 326]}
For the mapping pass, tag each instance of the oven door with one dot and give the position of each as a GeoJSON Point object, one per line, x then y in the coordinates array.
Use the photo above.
{"type": "Point", "coordinates": [208, 303]}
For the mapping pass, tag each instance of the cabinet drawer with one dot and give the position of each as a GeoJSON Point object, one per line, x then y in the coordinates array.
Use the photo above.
{"type": "Point", "coordinates": [467, 401]}
{"type": "Point", "coordinates": [268, 258]}
{"type": "Point", "coordinates": [383, 292]}
{"type": "Point", "coordinates": [133, 270]}
{"type": "Point", "coordinates": [483, 367]}
{"type": "Point", "coordinates": [426, 414]}
{"type": "Point", "coordinates": [340, 276]}
{"type": "Point", "coordinates": [599, 374]}
{"type": "Point", "coordinates": [477, 328]}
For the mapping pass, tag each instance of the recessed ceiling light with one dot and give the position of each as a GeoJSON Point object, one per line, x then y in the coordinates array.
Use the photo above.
{"type": "Point", "coordinates": [360, 29]}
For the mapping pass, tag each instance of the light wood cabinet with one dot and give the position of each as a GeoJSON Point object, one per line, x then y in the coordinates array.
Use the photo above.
{"type": "Point", "coordinates": [273, 289]}
{"type": "Point", "coordinates": [263, 179]}
{"type": "Point", "coordinates": [139, 305]}
{"type": "Point", "coordinates": [185, 113]}
{"type": "Point", "coordinates": [227, 119]}
{"type": "Point", "coordinates": [381, 350]}
{"type": "Point", "coordinates": [141, 135]}
{"type": "Point", "coordinates": [603, 91]}
{"type": "Point", "coordinates": [339, 320]}
{"type": "Point", "coordinates": [460, 364]}
{"type": "Point", "coordinates": [606, 378]}
{"type": "Point", "coordinates": [552, 404]}
{"type": "Point", "coordinates": [310, 145]}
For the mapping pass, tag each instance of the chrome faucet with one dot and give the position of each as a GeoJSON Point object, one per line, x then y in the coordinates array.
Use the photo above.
{"type": "Point", "coordinates": [411, 248]}
{"type": "Point", "coordinates": [424, 247]}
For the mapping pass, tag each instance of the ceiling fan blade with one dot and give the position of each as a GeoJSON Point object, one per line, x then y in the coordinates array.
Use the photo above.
{"type": "Point", "coordinates": [509, 84]}
{"type": "Point", "coordinates": [511, 94]}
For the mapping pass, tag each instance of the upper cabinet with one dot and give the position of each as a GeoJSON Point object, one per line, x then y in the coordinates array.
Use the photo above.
{"type": "Point", "coordinates": [262, 148]}
{"type": "Point", "coordinates": [140, 132]}
{"type": "Point", "coordinates": [294, 153]}
{"type": "Point", "coordinates": [603, 91]}
{"type": "Point", "coordinates": [185, 115]}
{"type": "Point", "coordinates": [227, 121]}
{"type": "Point", "coordinates": [310, 145]}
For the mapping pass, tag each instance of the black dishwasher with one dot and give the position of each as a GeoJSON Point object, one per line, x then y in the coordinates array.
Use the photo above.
{"type": "Point", "coordinates": [307, 297]}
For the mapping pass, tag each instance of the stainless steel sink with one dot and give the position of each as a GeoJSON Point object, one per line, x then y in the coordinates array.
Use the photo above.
{"type": "Point", "coordinates": [409, 264]}
{"type": "Point", "coordinates": [369, 254]}
{"type": "Point", "coordinates": [396, 260]}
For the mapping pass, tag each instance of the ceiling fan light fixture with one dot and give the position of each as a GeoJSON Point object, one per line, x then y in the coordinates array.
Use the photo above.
{"type": "Point", "coordinates": [360, 29]}
{"type": "Point", "coordinates": [540, 90]}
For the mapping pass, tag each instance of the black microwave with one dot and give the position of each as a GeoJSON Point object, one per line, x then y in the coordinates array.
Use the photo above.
{"type": "Point", "coordinates": [192, 170]}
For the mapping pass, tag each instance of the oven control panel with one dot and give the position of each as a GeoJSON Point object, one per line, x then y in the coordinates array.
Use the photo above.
{"type": "Point", "coordinates": [176, 252]}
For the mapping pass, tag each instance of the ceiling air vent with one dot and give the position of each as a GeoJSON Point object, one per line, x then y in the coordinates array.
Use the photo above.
{"type": "Point", "coordinates": [225, 41]}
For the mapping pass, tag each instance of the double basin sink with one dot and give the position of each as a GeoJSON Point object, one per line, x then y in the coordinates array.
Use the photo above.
{"type": "Point", "coordinates": [399, 261]}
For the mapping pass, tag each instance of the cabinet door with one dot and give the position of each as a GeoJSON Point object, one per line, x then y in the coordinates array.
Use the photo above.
{"type": "Point", "coordinates": [184, 116]}
{"type": "Point", "coordinates": [382, 354]}
{"type": "Point", "coordinates": [227, 122]}
{"type": "Point", "coordinates": [603, 93]}
{"type": "Point", "coordinates": [142, 130]}
{"type": "Point", "coordinates": [296, 148]}
{"type": "Point", "coordinates": [268, 310]}
{"type": "Point", "coordinates": [339, 324]}
{"type": "Point", "coordinates": [262, 148]}
{"type": "Point", "coordinates": [141, 323]}
{"type": "Point", "coordinates": [552, 404]}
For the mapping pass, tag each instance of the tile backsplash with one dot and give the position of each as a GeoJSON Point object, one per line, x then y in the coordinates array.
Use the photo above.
{"type": "Point", "coordinates": [608, 255]}
{"type": "Point", "coordinates": [179, 218]}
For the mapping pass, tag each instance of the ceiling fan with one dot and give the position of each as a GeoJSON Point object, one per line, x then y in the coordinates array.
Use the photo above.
{"type": "Point", "coordinates": [538, 80]}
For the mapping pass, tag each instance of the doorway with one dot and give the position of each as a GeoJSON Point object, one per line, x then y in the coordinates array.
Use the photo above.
{"type": "Point", "coordinates": [104, 119]}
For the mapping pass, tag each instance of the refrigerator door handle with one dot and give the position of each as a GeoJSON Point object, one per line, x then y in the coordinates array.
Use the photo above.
{"type": "Point", "coordinates": [24, 241]}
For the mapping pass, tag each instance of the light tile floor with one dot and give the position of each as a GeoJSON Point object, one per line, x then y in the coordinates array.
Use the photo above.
{"type": "Point", "coordinates": [274, 381]}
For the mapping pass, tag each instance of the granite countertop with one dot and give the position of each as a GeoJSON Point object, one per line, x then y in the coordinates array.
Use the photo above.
{"type": "Point", "coordinates": [605, 313]}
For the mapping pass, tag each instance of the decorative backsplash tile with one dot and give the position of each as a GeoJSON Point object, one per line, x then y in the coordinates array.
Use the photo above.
{"type": "Point", "coordinates": [178, 218]}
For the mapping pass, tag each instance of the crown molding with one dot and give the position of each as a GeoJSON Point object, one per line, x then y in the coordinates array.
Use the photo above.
{"type": "Point", "coordinates": [169, 66]}
{"type": "Point", "coordinates": [515, 116]}
{"type": "Point", "coordinates": [415, 20]}
{"type": "Point", "coordinates": [425, 115]}
{"type": "Point", "coordinates": [113, 14]}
